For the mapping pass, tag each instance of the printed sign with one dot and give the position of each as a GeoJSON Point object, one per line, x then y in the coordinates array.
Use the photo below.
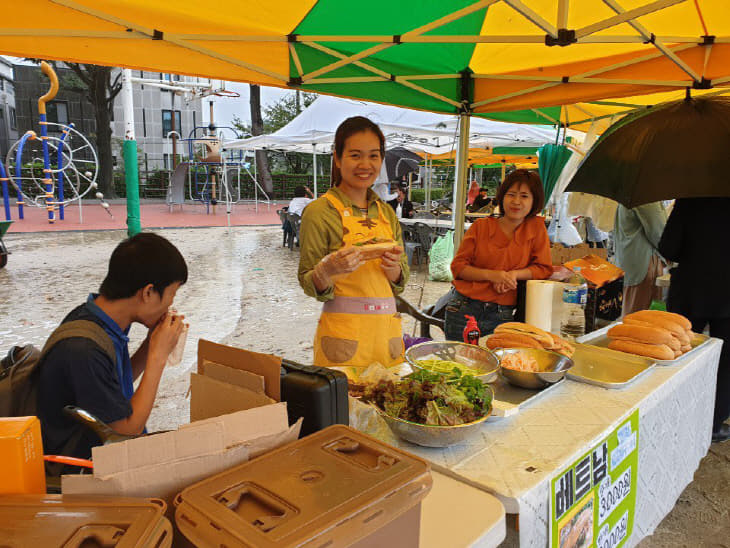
{"type": "Point", "coordinates": [592, 501]}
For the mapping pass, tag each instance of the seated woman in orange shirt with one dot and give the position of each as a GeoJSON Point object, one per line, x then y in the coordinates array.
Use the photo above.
{"type": "Point", "coordinates": [495, 253]}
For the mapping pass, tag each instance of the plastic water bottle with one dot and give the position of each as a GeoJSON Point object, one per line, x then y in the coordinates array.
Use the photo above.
{"type": "Point", "coordinates": [573, 319]}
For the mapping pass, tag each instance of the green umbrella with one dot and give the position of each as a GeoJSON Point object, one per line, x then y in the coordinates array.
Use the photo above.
{"type": "Point", "coordinates": [551, 161]}
{"type": "Point", "coordinates": [674, 150]}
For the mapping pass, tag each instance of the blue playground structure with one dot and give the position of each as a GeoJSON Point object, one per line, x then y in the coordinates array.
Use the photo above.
{"type": "Point", "coordinates": [75, 168]}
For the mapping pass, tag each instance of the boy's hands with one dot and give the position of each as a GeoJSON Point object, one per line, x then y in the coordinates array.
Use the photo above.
{"type": "Point", "coordinates": [164, 336]}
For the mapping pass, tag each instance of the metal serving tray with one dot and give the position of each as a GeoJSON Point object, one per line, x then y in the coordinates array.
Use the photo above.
{"type": "Point", "coordinates": [509, 399]}
{"type": "Point", "coordinates": [600, 338]}
{"type": "Point", "coordinates": [607, 368]}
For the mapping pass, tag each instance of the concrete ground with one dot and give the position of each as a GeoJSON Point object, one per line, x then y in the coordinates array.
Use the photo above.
{"type": "Point", "coordinates": [242, 290]}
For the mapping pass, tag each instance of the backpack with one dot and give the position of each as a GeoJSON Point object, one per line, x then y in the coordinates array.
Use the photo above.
{"type": "Point", "coordinates": [19, 369]}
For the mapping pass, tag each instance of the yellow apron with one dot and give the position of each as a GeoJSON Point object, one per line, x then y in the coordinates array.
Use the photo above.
{"type": "Point", "coordinates": [361, 324]}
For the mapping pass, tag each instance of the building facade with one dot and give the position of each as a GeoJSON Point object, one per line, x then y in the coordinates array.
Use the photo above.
{"type": "Point", "coordinates": [153, 109]}
{"type": "Point", "coordinates": [8, 113]}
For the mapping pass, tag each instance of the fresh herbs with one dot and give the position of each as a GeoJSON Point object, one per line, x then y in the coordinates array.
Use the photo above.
{"type": "Point", "coordinates": [431, 398]}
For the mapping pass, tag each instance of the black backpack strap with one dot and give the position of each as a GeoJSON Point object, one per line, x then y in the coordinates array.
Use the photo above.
{"type": "Point", "coordinates": [88, 330]}
{"type": "Point", "coordinates": [85, 329]}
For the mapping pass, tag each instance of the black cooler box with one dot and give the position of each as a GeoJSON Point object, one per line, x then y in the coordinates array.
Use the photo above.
{"type": "Point", "coordinates": [316, 393]}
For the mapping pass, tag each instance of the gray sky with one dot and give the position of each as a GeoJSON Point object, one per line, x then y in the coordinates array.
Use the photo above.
{"type": "Point", "coordinates": [225, 108]}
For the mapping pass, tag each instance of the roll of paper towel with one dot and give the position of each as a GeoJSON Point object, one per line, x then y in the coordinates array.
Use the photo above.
{"type": "Point", "coordinates": [543, 304]}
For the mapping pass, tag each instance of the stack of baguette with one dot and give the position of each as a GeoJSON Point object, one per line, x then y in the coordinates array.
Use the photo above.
{"type": "Point", "coordinates": [523, 335]}
{"type": "Point", "coordinates": [652, 333]}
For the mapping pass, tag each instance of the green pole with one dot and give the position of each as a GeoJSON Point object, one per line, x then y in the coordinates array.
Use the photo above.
{"type": "Point", "coordinates": [131, 174]}
{"type": "Point", "coordinates": [131, 179]}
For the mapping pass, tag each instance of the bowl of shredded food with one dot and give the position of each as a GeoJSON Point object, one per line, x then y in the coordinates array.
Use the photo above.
{"type": "Point", "coordinates": [531, 367]}
{"type": "Point", "coordinates": [446, 356]}
{"type": "Point", "coordinates": [431, 409]}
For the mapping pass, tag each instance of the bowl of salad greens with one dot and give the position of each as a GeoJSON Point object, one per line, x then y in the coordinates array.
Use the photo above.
{"type": "Point", "coordinates": [444, 356]}
{"type": "Point", "coordinates": [432, 409]}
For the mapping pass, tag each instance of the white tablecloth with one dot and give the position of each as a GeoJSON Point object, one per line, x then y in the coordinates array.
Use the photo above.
{"type": "Point", "coordinates": [516, 457]}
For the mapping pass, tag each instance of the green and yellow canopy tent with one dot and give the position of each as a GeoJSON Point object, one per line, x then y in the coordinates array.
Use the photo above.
{"type": "Point", "coordinates": [531, 61]}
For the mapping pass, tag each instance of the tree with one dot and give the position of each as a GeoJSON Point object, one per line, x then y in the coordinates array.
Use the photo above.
{"type": "Point", "coordinates": [257, 128]}
{"type": "Point", "coordinates": [100, 89]}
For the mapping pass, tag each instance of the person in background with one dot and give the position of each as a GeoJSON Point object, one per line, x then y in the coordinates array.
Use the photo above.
{"type": "Point", "coordinates": [497, 252]}
{"type": "Point", "coordinates": [481, 201]}
{"type": "Point", "coordinates": [473, 193]}
{"type": "Point", "coordinates": [300, 200]}
{"type": "Point", "coordinates": [698, 289]}
{"type": "Point", "coordinates": [359, 324]}
{"type": "Point", "coordinates": [595, 236]}
{"type": "Point", "coordinates": [145, 272]}
{"type": "Point", "coordinates": [402, 201]}
{"type": "Point", "coordinates": [636, 238]}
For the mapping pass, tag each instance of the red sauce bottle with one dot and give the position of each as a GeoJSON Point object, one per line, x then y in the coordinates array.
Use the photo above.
{"type": "Point", "coordinates": [471, 331]}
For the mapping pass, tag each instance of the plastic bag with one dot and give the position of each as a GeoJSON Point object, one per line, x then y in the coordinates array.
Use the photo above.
{"type": "Point", "coordinates": [440, 257]}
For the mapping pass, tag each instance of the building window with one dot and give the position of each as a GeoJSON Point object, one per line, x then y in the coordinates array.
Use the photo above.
{"type": "Point", "coordinates": [144, 123]}
{"type": "Point", "coordinates": [13, 119]}
{"type": "Point", "coordinates": [141, 74]}
{"type": "Point", "coordinates": [167, 122]}
{"type": "Point", "coordinates": [166, 160]}
{"type": "Point", "coordinates": [57, 112]}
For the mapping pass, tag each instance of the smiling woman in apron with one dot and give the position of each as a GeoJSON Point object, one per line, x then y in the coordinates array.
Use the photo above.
{"type": "Point", "coordinates": [359, 324]}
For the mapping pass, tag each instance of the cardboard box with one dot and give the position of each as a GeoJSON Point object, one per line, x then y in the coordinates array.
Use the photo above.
{"type": "Point", "coordinates": [161, 465]}
{"type": "Point", "coordinates": [21, 454]}
{"type": "Point", "coordinates": [561, 255]}
{"type": "Point", "coordinates": [232, 379]}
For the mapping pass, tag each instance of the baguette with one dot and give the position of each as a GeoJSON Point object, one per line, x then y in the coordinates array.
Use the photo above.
{"type": "Point", "coordinates": [542, 337]}
{"type": "Point", "coordinates": [673, 344]}
{"type": "Point", "coordinates": [641, 333]}
{"type": "Point", "coordinates": [657, 351]}
{"type": "Point", "coordinates": [686, 348]}
{"type": "Point", "coordinates": [656, 321]}
{"type": "Point", "coordinates": [511, 340]}
{"type": "Point", "coordinates": [662, 319]}
{"type": "Point", "coordinates": [654, 316]}
{"type": "Point", "coordinates": [562, 346]}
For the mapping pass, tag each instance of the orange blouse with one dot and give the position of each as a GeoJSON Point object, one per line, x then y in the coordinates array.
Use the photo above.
{"type": "Point", "coordinates": [485, 245]}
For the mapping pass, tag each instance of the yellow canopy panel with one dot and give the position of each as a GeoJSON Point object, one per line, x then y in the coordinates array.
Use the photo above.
{"type": "Point", "coordinates": [516, 60]}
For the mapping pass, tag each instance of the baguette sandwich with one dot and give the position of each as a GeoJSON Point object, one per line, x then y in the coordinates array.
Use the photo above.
{"type": "Point", "coordinates": [374, 247]}
{"type": "Point", "coordinates": [522, 335]}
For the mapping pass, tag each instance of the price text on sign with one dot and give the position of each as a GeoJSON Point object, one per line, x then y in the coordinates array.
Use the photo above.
{"type": "Point", "coordinates": [592, 501]}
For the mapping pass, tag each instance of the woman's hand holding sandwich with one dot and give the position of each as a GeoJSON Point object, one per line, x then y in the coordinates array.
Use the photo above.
{"type": "Point", "coordinates": [391, 263]}
{"type": "Point", "coordinates": [342, 261]}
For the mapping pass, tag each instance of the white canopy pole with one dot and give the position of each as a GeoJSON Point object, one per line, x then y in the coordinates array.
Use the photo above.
{"type": "Point", "coordinates": [314, 169]}
{"type": "Point", "coordinates": [462, 166]}
{"type": "Point", "coordinates": [427, 195]}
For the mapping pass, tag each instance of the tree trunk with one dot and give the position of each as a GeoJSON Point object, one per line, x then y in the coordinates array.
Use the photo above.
{"type": "Point", "coordinates": [103, 130]}
{"type": "Point", "coordinates": [257, 128]}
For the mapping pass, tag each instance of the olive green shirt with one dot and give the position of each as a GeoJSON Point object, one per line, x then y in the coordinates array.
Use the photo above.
{"type": "Point", "coordinates": [321, 233]}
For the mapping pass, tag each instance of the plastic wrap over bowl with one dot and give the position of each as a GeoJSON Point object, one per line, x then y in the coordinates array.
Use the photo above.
{"type": "Point", "coordinates": [472, 356]}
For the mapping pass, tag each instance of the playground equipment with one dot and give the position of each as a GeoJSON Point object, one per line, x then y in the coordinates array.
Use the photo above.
{"type": "Point", "coordinates": [75, 169]}
{"type": "Point", "coordinates": [214, 173]}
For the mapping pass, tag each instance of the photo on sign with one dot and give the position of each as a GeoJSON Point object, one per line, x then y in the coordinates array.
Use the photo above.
{"type": "Point", "coordinates": [576, 528]}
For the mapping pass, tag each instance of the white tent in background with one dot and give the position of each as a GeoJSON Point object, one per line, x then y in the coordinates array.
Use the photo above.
{"type": "Point", "coordinates": [313, 130]}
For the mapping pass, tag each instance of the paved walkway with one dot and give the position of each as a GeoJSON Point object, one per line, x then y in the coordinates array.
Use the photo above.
{"type": "Point", "coordinates": [153, 214]}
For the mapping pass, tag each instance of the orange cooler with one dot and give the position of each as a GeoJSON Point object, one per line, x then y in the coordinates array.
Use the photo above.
{"type": "Point", "coordinates": [21, 454]}
{"type": "Point", "coordinates": [80, 521]}
{"type": "Point", "coordinates": [336, 487]}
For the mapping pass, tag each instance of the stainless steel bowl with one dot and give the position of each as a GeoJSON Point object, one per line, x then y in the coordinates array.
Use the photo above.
{"type": "Point", "coordinates": [553, 367]}
{"type": "Point", "coordinates": [432, 436]}
{"type": "Point", "coordinates": [467, 354]}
